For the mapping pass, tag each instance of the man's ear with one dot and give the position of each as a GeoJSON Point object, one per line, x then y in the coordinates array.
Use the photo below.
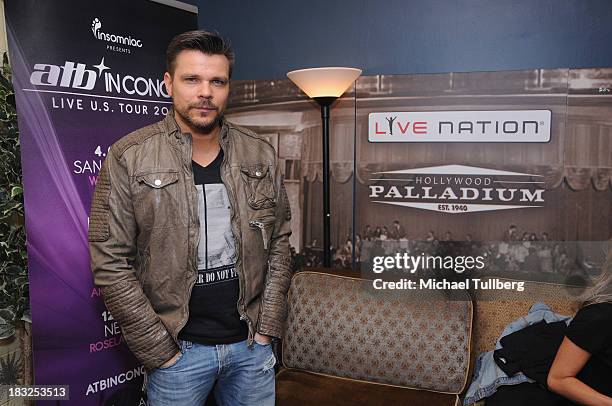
{"type": "Point", "coordinates": [168, 83]}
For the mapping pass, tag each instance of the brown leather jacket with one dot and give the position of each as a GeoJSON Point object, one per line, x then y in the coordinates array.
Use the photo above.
{"type": "Point", "coordinates": [144, 234]}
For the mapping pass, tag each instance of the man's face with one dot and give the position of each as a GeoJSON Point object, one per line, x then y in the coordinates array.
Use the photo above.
{"type": "Point", "coordinates": [199, 88]}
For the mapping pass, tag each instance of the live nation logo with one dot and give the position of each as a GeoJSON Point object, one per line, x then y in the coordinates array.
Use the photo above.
{"type": "Point", "coordinates": [460, 126]}
{"type": "Point", "coordinates": [457, 189]}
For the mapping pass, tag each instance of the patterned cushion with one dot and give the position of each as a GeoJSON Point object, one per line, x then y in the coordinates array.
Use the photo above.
{"type": "Point", "coordinates": [337, 326]}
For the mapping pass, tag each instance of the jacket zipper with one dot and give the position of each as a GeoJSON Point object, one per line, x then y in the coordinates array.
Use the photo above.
{"type": "Point", "coordinates": [261, 224]}
{"type": "Point", "coordinates": [240, 303]}
{"type": "Point", "coordinates": [194, 248]}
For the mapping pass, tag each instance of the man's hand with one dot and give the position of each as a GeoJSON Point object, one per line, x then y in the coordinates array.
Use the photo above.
{"type": "Point", "coordinates": [262, 339]}
{"type": "Point", "coordinates": [171, 361]}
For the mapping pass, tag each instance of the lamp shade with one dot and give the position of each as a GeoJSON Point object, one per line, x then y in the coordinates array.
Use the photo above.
{"type": "Point", "coordinates": [324, 82]}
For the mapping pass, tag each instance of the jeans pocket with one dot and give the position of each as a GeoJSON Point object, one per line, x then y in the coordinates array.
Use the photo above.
{"type": "Point", "coordinates": [180, 357]}
{"type": "Point", "coordinates": [262, 345]}
{"type": "Point", "coordinates": [268, 365]}
{"type": "Point", "coordinates": [184, 346]}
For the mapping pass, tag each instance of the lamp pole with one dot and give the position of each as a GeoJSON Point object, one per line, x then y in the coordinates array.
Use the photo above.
{"type": "Point", "coordinates": [325, 103]}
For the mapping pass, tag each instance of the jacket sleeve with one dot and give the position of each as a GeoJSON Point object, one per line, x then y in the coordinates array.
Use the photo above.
{"type": "Point", "coordinates": [112, 245]}
{"type": "Point", "coordinates": [274, 303]}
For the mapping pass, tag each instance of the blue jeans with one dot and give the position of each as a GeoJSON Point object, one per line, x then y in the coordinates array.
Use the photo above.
{"type": "Point", "coordinates": [244, 376]}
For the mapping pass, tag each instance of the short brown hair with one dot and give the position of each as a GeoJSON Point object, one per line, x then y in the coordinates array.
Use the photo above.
{"type": "Point", "coordinates": [208, 42]}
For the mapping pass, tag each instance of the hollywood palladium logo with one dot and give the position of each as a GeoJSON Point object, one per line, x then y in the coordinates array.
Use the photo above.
{"type": "Point", "coordinates": [96, 27]}
{"type": "Point", "coordinates": [458, 189]}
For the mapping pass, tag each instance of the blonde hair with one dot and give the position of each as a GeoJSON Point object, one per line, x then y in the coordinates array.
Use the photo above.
{"type": "Point", "coordinates": [601, 291]}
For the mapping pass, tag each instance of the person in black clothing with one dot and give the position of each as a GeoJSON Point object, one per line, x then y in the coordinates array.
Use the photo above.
{"type": "Point", "coordinates": [582, 369]}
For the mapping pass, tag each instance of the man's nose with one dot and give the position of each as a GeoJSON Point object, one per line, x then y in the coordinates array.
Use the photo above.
{"type": "Point", "coordinates": [205, 90]}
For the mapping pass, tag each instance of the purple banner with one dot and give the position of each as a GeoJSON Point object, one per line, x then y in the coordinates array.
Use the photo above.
{"type": "Point", "coordinates": [85, 74]}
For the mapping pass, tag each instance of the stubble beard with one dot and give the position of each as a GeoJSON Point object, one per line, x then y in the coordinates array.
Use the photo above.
{"type": "Point", "coordinates": [199, 127]}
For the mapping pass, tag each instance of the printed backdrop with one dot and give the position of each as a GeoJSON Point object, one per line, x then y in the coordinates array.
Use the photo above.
{"type": "Point", "coordinates": [85, 73]}
{"type": "Point", "coordinates": [523, 157]}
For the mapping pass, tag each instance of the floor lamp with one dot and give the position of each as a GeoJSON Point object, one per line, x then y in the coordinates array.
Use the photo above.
{"type": "Point", "coordinates": [325, 85]}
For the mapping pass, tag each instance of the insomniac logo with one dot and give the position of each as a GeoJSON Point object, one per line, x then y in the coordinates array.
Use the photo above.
{"type": "Point", "coordinates": [96, 27]}
{"type": "Point", "coordinates": [461, 126]}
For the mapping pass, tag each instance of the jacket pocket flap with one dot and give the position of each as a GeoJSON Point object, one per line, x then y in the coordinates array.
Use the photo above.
{"type": "Point", "coordinates": [158, 179]}
{"type": "Point", "coordinates": [257, 171]}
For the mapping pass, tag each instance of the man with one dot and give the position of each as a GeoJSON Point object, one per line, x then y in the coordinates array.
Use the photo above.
{"type": "Point", "coordinates": [189, 239]}
{"type": "Point", "coordinates": [510, 234]}
{"type": "Point", "coordinates": [368, 233]}
{"type": "Point", "coordinates": [397, 231]}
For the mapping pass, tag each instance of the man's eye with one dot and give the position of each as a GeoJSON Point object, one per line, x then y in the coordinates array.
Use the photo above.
{"type": "Point", "coordinates": [191, 79]}
{"type": "Point", "coordinates": [218, 82]}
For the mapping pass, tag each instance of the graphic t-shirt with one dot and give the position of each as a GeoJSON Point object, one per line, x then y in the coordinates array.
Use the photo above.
{"type": "Point", "coordinates": [213, 313]}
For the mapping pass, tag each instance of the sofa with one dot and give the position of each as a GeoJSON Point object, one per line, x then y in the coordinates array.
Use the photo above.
{"type": "Point", "coordinates": [346, 344]}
